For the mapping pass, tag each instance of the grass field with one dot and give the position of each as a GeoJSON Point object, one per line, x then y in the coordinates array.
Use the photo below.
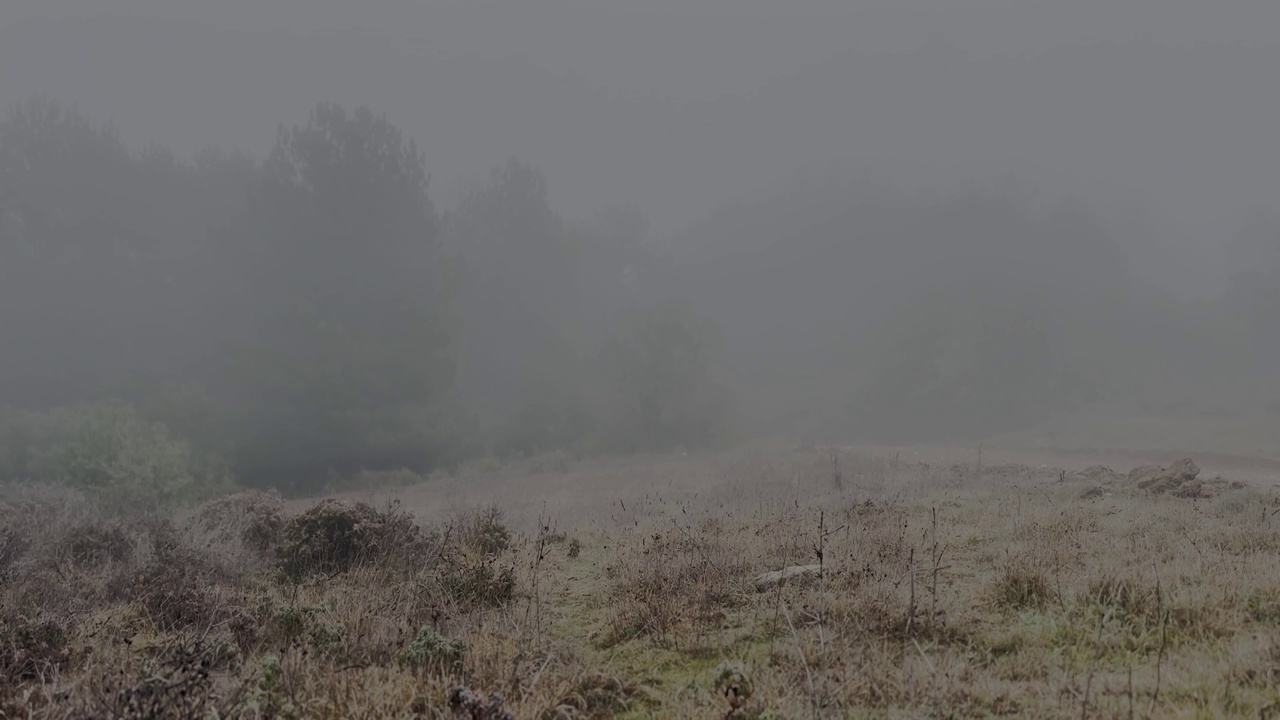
{"type": "Point", "coordinates": [949, 588]}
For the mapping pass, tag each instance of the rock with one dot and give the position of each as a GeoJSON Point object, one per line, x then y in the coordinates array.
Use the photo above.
{"type": "Point", "coordinates": [769, 579]}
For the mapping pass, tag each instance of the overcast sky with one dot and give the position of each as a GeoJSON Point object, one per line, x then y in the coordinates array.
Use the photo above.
{"type": "Point", "coordinates": [1167, 108]}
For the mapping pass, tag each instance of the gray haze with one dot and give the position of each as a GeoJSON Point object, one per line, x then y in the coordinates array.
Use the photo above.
{"type": "Point", "coordinates": [677, 106]}
{"type": "Point", "coordinates": [888, 219]}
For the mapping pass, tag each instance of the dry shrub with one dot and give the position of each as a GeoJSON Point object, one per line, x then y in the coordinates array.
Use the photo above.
{"type": "Point", "coordinates": [180, 587]}
{"type": "Point", "coordinates": [95, 543]}
{"type": "Point", "coordinates": [474, 566]}
{"type": "Point", "coordinates": [248, 523]}
{"type": "Point", "coordinates": [675, 581]}
{"type": "Point", "coordinates": [482, 582]}
{"type": "Point", "coordinates": [177, 683]}
{"type": "Point", "coordinates": [595, 696]}
{"type": "Point", "coordinates": [56, 558]}
{"type": "Point", "coordinates": [35, 518]}
{"type": "Point", "coordinates": [31, 649]}
{"type": "Point", "coordinates": [484, 531]}
{"type": "Point", "coordinates": [332, 537]}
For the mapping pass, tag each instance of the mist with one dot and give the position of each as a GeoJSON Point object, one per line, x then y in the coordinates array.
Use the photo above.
{"type": "Point", "coordinates": [302, 242]}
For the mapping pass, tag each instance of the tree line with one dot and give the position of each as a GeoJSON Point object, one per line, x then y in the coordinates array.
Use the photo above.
{"type": "Point", "coordinates": [314, 313]}
{"type": "Point", "coordinates": [287, 320]}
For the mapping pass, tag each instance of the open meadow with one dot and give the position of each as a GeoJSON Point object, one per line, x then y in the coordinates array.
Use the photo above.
{"type": "Point", "coordinates": [922, 583]}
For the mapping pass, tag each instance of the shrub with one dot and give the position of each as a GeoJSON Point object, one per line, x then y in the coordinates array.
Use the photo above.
{"type": "Point", "coordinates": [179, 586]}
{"type": "Point", "coordinates": [470, 570]}
{"type": "Point", "coordinates": [484, 531]}
{"type": "Point", "coordinates": [110, 452]}
{"type": "Point", "coordinates": [176, 684]}
{"type": "Point", "coordinates": [95, 543]}
{"type": "Point", "coordinates": [433, 652]}
{"type": "Point", "coordinates": [332, 537]}
{"type": "Point", "coordinates": [295, 624]}
{"type": "Point", "coordinates": [29, 648]}
{"type": "Point", "coordinates": [48, 533]}
{"type": "Point", "coordinates": [248, 522]}
{"type": "Point", "coordinates": [479, 582]}
{"type": "Point", "coordinates": [596, 695]}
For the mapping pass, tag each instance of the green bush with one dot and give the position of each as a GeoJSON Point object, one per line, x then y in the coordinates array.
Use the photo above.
{"type": "Point", "coordinates": [432, 651]}
{"type": "Point", "coordinates": [109, 452]}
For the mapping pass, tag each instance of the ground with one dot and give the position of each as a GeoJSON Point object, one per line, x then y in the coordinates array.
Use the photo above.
{"type": "Point", "coordinates": [951, 582]}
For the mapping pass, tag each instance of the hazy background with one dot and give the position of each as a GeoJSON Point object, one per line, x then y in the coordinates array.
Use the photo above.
{"type": "Point", "coordinates": [906, 221]}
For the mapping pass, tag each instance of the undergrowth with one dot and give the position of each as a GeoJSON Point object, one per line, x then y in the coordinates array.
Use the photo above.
{"type": "Point", "coordinates": [929, 598]}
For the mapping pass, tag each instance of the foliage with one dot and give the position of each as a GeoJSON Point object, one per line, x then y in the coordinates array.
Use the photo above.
{"type": "Point", "coordinates": [664, 394]}
{"type": "Point", "coordinates": [518, 352]}
{"type": "Point", "coordinates": [101, 276]}
{"type": "Point", "coordinates": [179, 586]}
{"type": "Point", "coordinates": [433, 652]}
{"type": "Point", "coordinates": [249, 522]}
{"type": "Point", "coordinates": [966, 362]}
{"type": "Point", "coordinates": [332, 537]}
{"type": "Point", "coordinates": [178, 683]}
{"type": "Point", "coordinates": [484, 531]}
{"type": "Point", "coordinates": [28, 648]}
{"type": "Point", "coordinates": [1015, 587]}
{"type": "Point", "coordinates": [313, 316]}
{"type": "Point", "coordinates": [478, 581]}
{"type": "Point", "coordinates": [111, 453]}
{"type": "Point", "coordinates": [353, 352]}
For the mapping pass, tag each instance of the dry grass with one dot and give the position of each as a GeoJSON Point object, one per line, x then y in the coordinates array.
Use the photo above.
{"type": "Point", "coordinates": [627, 589]}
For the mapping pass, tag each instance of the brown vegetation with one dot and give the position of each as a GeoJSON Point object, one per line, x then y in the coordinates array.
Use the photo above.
{"type": "Point", "coordinates": [946, 591]}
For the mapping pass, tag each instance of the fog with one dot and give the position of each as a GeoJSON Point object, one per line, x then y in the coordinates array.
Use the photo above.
{"type": "Point", "coordinates": [629, 228]}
